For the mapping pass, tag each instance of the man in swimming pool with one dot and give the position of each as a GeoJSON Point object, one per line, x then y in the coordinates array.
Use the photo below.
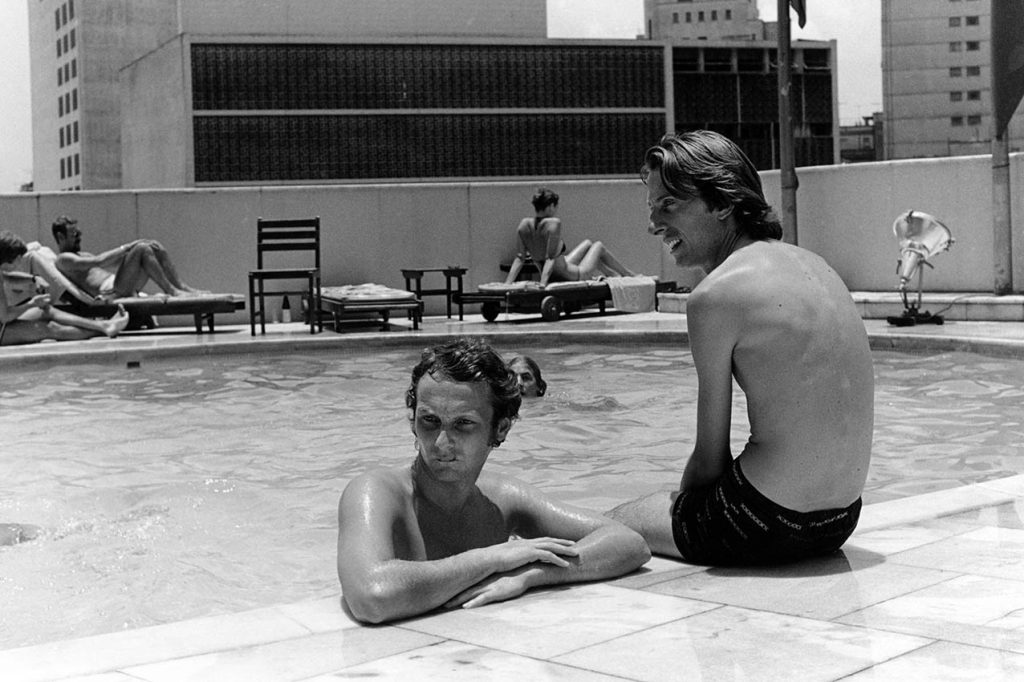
{"type": "Point", "coordinates": [441, 533]}
{"type": "Point", "coordinates": [781, 322]}
{"type": "Point", "coordinates": [119, 272]}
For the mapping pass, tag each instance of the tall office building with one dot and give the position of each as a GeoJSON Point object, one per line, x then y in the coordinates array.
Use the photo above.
{"type": "Point", "coordinates": [705, 20]}
{"type": "Point", "coordinates": [725, 77]}
{"type": "Point", "coordinates": [186, 93]}
{"type": "Point", "coordinates": [80, 47]}
{"type": "Point", "coordinates": [936, 80]}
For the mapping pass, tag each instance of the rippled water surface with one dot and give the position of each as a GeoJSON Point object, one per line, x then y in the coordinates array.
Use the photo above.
{"type": "Point", "coordinates": [210, 486]}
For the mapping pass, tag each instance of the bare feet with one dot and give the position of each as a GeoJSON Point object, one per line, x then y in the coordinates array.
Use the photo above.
{"type": "Point", "coordinates": [116, 324]}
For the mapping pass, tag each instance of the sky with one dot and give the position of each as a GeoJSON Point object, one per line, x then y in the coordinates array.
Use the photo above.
{"type": "Point", "coordinates": [855, 24]}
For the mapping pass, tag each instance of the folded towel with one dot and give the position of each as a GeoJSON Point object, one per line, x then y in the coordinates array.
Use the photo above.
{"type": "Point", "coordinates": [632, 294]}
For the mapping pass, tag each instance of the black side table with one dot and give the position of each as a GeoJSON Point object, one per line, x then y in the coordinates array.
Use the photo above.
{"type": "Point", "coordinates": [452, 274]}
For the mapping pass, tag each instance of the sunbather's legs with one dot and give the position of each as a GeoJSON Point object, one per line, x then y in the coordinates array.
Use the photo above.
{"type": "Point", "coordinates": [599, 260]}
{"type": "Point", "coordinates": [145, 261]}
{"type": "Point", "coordinates": [53, 324]}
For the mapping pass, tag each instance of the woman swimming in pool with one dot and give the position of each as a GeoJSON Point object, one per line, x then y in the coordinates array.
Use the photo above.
{"type": "Point", "coordinates": [541, 245]}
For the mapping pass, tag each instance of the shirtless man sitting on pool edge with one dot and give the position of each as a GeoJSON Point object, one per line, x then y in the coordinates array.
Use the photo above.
{"type": "Point", "coordinates": [781, 323]}
{"type": "Point", "coordinates": [441, 532]}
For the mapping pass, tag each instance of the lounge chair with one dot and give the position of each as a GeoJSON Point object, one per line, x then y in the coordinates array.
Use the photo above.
{"type": "Point", "coordinates": [551, 301]}
{"type": "Point", "coordinates": [141, 309]}
{"type": "Point", "coordinates": [369, 300]}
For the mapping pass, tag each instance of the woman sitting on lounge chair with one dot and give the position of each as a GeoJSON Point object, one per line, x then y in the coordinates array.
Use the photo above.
{"type": "Point", "coordinates": [541, 244]}
{"type": "Point", "coordinates": [26, 315]}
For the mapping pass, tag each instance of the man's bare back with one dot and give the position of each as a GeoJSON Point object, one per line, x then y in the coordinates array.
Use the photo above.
{"type": "Point", "coordinates": [800, 349]}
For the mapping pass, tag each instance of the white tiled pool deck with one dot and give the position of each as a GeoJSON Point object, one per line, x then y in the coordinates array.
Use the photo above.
{"type": "Point", "coordinates": [928, 588]}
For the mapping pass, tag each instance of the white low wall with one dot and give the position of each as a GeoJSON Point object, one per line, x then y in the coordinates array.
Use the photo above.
{"type": "Point", "coordinates": [845, 213]}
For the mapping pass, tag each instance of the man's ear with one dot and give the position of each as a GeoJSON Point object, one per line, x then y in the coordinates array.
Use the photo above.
{"type": "Point", "coordinates": [502, 429]}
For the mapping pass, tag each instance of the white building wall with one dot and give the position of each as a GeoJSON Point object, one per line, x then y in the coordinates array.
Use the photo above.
{"type": "Point", "coordinates": [928, 110]}
{"type": "Point", "coordinates": [713, 20]}
{"type": "Point", "coordinates": [110, 34]}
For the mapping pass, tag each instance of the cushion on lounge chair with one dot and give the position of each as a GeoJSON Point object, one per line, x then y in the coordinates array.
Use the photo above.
{"type": "Point", "coordinates": [162, 304]}
{"type": "Point", "coordinates": [365, 292]}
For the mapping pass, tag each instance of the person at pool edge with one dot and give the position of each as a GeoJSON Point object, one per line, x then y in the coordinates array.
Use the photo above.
{"type": "Point", "coordinates": [443, 532]}
{"type": "Point", "coordinates": [778, 320]}
{"type": "Point", "coordinates": [541, 244]}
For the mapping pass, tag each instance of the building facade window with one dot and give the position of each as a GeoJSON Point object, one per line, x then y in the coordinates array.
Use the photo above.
{"type": "Point", "coordinates": [71, 34]}
{"type": "Point", "coordinates": [956, 121]}
{"type": "Point", "coordinates": [974, 120]}
{"type": "Point", "coordinates": [74, 99]}
{"type": "Point", "coordinates": [973, 70]}
{"type": "Point", "coordinates": [954, 22]}
{"type": "Point", "coordinates": [972, 20]}
{"type": "Point", "coordinates": [955, 72]}
{"type": "Point", "coordinates": [956, 46]}
{"type": "Point", "coordinates": [58, 48]}
{"type": "Point", "coordinates": [973, 45]}
{"type": "Point", "coordinates": [78, 168]}
{"type": "Point", "coordinates": [973, 95]}
{"type": "Point", "coordinates": [728, 15]}
{"type": "Point", "coordinates": [63, 174]}
{"type": "Point", "coordinates": [689, 17]}
{"type": "Point", "coordinates": [675, 17]}
{"type": "Point", "coordinates": [62, 137]}
{"type": "Point", "coordinates": [700, 16]}
{"type": "Point", "coordinates": [71, 9]}
{"type": "Point", "coordinates": [60, 106]}
{"type": "Point", "coordinates": [60, 76]}
{"type": "Point", "coordinates": [74, 68]}
{"type": "Point", "coordinates": [714, 15]}
{"type": "Point", "coordinates": [57, 17]}
{"type": "Point", "coordinates": [956, 97]}
{"type": "Point", "coordinates": [74, 129]}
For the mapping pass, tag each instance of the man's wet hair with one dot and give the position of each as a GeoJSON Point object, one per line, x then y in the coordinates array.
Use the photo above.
{"type": "Point", "coordinates": [542, 386]}
{"type": "Point", "coordinates": [544, 198]}
{"type": "Point", "coordinates": [706, 164]}
{"type": "Point", "coordinates": [469, 361]}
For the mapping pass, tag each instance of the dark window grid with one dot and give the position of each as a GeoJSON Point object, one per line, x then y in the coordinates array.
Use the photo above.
{"type": "Point", "coordinates": [292, 148]}
{"type": "Point", "coordinates": [232, 77]}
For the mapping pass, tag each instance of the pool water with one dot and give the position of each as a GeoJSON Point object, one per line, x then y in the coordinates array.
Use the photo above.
{"type": "Point", "coordinates": [209, 486]}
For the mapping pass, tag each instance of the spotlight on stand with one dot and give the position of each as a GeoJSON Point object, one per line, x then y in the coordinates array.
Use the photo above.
{"type": "Point", "coordinates": [920, 236]}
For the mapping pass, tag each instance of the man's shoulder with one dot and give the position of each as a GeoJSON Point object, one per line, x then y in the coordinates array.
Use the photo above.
{"type": "Point", "coordinates": [381, 482]}
{"type": "Point", "coordinates": [496, 485]}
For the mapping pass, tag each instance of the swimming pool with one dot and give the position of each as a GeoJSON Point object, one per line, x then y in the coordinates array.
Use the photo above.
{"type": "Point", "coordinates": [172, 491]}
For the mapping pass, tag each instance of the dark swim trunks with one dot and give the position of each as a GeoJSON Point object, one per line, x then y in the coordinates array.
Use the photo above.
{"type": "Point", "coordinates": [731, 523]}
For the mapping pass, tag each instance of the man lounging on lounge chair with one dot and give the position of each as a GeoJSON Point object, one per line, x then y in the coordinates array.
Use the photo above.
{"type": "Point", "coordinates": [118, 273]}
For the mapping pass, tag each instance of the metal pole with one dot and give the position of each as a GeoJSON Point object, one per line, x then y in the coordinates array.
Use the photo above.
{"type": "Point", "coordinates": [1002, 256]}
{"type": "Point", "coordinates": [787, 164]}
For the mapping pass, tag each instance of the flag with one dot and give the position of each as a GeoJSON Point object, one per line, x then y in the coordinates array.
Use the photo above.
{"type": "Point", "coordinates": [1007, 60]}
{"type": "Point", "coordinates": [801, 11]}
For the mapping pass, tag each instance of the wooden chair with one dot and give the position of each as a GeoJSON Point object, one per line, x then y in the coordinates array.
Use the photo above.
{"type": "Point", "coordinates": [275, 236]}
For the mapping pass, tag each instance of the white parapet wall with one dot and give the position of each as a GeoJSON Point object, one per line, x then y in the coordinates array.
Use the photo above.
{"type": "Point", "coordinates": [372, 231]}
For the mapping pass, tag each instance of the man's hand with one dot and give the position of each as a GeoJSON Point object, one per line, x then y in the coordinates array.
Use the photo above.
{"type": "Point", "coordinates": [494, 588]}
{"type": "Point", "coordinates": [521, 551]}
{"type": "Point", "coordinates": [41, 300]}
